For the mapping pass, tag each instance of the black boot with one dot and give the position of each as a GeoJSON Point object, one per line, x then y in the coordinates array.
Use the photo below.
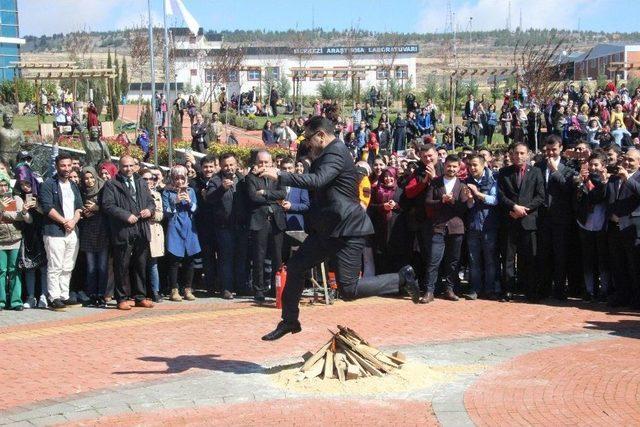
{"type": "Point", "coordinates": [408, 279]}
{"type": "Point", "coordinates": [283, 329]}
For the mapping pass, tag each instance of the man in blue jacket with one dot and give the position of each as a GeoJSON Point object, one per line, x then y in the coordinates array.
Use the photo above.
{"type": "Point", "coordinates": [61, 205]}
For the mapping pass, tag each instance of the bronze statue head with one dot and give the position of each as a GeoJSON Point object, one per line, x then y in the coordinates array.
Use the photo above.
{"type": "Point", "coordinates": [7, 118]}
{"type": "Point", "coordinates": [94, 133]}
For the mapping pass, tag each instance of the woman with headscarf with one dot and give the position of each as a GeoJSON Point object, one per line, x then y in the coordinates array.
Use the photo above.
{"type": "Point", "coordinates": [179, 204]}
{"type": "Point", "coordinates": [32, 256]}
{"type": "Point", "coordinates": [385, 208]}
{"type": "Point", "coordinates": [94, 237]}
{"type": "Point", "coordinates": [14, 211]}
{"type": "Point", "coordinates": [107, 171]}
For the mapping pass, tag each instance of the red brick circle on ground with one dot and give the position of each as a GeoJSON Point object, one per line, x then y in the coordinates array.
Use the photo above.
{"type": "Point", "coordinates": [64, 359]}
{"type": "Point", "coordinates": [317, 412]}
{"type": "Point", "coordinates": [595, 383]}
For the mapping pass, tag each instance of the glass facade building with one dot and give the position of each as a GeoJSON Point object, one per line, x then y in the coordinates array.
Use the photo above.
{"type": "Point", "coordinates": [10, 40]}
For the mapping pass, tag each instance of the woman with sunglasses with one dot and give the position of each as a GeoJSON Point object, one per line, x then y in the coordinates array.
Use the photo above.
{"type": "Point", "coordinates": [156, 243]}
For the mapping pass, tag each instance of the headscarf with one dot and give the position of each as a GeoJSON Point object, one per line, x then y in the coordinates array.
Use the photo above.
{"type": "Point", "coordinates": [91, 193]}
{"type": "Point", "coordinates": [109, 167]}
{"type": "Point", "coordinates": [383, 192]}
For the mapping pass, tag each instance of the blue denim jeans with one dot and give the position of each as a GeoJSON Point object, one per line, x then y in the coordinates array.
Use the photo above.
{"type": "Point", "coordinates": [97, 272]}
{"type": "Point", "coordinates": [154, 275]}
{"type": "Point", "coordinates": [233, 265]}
{"type": "Point", "coordinates": [30, 281]}
{"type": "Point", "coordinates": [482, 260]}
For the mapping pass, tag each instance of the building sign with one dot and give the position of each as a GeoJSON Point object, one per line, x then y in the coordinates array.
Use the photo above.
{"type": "Point", "coordinates": [358, 50]}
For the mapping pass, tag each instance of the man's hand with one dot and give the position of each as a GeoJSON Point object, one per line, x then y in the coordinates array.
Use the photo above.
{"type": "Point", "coordinates": [227, 183]}
{"type": "Point", "coordinates": [270, 173]}
{"type": "Point", "coordinates": [622, 173]}
{"type": "Point", "coordinates": [285, 205]}
{"type": "Point", "coordinates": [551, 164]}
{"type": "Point", "coordinates": [145, 213]}
{"type": "Point", "coordinates": [261, 192]}
{"type": "Point", "coordinates": [447, 199]}
{"type": "Point", "coordinates": [132, 219]}
{"type": "Point", "coordinates": [468, 193]}
{"type": "Point", "coordinates": [519, 211]}
{"type": "Point", "coordinates": [70, 225]}
{"type": "Point", "coordinates": [431, 171]}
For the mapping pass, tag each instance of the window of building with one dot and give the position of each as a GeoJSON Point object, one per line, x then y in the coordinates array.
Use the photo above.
{"type": "Point", "coordinates": [382, 73]}
{"type": "Point", "coordinates": [253, 74]}
{"type": "Point", "coordinates": [208, 75]}
{"type": "Point", "coordinates": [192, 39]}
{"type": "Point", "coordinates": [316, 75]}
{"type": "Point", "coordinates": [299, 75]}
{"type": "Point", "coordinates": [232, 76]}
{"type": "Point", "coordinates": [8, 5]}
{"type": "Point", "coordinates": [273, 73]}
{"type": "Point", "coordinates": [402, 72]}
{"type": "Point", "coordinates": [9, 30]}
{"type": "Point", "coordinates": [194, 72]}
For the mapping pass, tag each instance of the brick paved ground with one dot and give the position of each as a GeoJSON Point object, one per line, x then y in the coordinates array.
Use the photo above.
{"type": "Point", "coordinates": [201, 357]}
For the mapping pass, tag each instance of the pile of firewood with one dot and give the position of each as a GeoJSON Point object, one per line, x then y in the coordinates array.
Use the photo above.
{"type": "Point", "coordinates": [348, 356]}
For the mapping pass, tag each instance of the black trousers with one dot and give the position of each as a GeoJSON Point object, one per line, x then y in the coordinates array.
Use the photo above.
{"type": "Point", "coordinates": [444, 247]}
{"type": "Point", "coordinates": [266, 240]}
{"type": "Point", "coordinates": [553, 245]}
{"type": "Point", "coordinates": [523, 244]}
{"type": "Point", "coordinates": [185, 266]}
{"type": "Point", "coordinates": [132, 255]}
{"type": "Point", "coordinates": [347, 253]}
{"type": "Point", "coordinates": [624, 259]}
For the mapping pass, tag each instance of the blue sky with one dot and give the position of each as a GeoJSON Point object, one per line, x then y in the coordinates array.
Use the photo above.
{"type": "Point", "coordinates": [39, 17]}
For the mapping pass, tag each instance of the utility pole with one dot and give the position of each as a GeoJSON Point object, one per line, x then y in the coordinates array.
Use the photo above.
{"type": "Point", "coordinates": [153, 87]}
{"type": "Point", "coordinates": [167, 86]}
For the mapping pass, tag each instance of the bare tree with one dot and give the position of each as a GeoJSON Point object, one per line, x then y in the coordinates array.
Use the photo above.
{"type": "Point", "coordinates": [304, 48]}
{"type": "Point", "coordinates": [78, 44]}
{"type": "Point", "coordinates": [387, 55]}
{"type": "Point", "coordinates": [352, 40]}
{"type": "Point", "coordinates": [222, 64]}
{"type": "Point", "coordinates": [540, 68]}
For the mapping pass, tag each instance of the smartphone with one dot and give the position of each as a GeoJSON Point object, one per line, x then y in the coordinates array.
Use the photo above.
{"type": "Point", "coordinates": [29, 198]}
{"type": "Point", "coordinates": [8, 194]}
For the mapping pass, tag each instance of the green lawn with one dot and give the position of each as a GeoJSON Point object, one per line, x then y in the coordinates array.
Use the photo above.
{"type": "Point", "coordinates": [30, 123]}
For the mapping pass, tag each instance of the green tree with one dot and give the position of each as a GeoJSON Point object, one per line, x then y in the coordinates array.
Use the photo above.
{"type": "Point", "coordinates": [124, 78]}
{"type": "Point", "coordinates": [284, 87]}
{"type": "Point", "coordinates": [117, 91]}
{"type": "Point", "coordinates": [146, 119]}
{"type": "Point", "coordinates": [332, 90]}
{"type": "Point", "coordinates": [176, 126]}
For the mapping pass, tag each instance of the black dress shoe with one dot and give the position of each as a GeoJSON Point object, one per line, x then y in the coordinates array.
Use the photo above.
{"type": "Point", "coordinates": [281, 330]}
{"type": "Point", "coordinates": [506, 297]}
{"type": "Point", "coordinates": [427, 298]}
{"type": "Point", "coordinates": [408, 279]}
{"type": "Point", "coordinates": [451, 296]}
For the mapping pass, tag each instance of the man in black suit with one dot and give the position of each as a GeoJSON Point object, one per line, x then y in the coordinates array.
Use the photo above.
{"type": "Point", "coordinates": [128, 204]}
{"type": "Point", "coordinates": [555, 219]}
{"type": "Point", "coordinates": [266, 224]}
{"type": "Point", "coordinates": [623, 197]}
{"type": "Point", "coordinates": [469, 106]}
{"type": "Point", "coordinates": [338, 227]}
{"type": "Point", "coordinates": [521, 193]}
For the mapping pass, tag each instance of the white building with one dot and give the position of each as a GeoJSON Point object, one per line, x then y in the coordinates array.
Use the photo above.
{"type": "Point", "coordinates": [368, 65]}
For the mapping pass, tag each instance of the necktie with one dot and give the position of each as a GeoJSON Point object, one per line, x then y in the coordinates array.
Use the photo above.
{"type": "Point", "coordinates": [132, 188]}
{"type": "Point", "coordinates": [521, 173]}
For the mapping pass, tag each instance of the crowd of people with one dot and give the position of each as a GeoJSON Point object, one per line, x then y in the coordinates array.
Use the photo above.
{"type": "Point", "coordinates": [555, 214]}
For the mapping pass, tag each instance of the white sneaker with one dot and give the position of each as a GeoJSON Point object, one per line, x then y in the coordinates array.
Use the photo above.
{"type": "Point", "coordinates": [82, 296]}
{"type": "Point", "coordinates": [42, 302]}
{"type": "Point", "coordinates": [31, 303]}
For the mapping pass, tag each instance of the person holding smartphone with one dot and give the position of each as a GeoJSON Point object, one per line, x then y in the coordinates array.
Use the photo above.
{"type": "Point", "coordinates": [179, 205]}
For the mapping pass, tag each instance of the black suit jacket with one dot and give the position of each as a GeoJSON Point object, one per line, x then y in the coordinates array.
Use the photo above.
{"type": "Point", "coordinates": [332, 182]}
{"type": "Point", "coordinates": [447, 217]}
{"type": "Point", "coordinates": [118, 205]}
{"type": "Point", "coordinates": [262, 206]}
{"type": "Point", "coordinates": [559, 189]}
{"type": "Point", "coordinates": [625, 201]}
{"type": "Point", "coordinates": [529, 194]}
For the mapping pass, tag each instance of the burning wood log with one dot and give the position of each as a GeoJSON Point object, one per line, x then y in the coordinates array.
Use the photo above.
{"type": "Point", "coordinates": [348, 356]}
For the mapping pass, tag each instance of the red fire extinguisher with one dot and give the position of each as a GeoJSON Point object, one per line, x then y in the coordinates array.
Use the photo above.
{"type": "Point", "coordinates": [281, 281]}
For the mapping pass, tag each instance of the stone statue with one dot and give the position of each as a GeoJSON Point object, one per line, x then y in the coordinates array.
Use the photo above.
{"type": "Point", "coordinates": [11, 140]}
{"type": "Point", "coordinates": [96, 151]}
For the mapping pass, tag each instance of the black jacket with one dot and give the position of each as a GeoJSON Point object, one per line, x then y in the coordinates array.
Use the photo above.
{"type": "Point", "coordinates": [625, 202]}
{"type": "Point", "coordinates": [529, 194]}
{"type": "Point", "coordinates": [557, 208]}
{"type": "Point", "coordinates": [264, 206]}
{"type": "Point", "coordinates": [333, 185]}
{"type": "Point", "coordinates": [229, 207]}
{"type": "Point", "coordinates": [118, 205]}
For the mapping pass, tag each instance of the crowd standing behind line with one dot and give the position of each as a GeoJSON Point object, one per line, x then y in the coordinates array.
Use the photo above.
{"type": "Point", "coordinates": [499, 216]}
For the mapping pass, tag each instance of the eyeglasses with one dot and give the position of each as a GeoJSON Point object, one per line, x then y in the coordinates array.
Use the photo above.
{"type": "Point", "coordinates": [151, 179]}
{"type": "Point", "coordinates": [308, 137]}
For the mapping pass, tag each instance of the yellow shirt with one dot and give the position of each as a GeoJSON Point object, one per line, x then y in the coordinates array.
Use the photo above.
{"type": "Point", "coordinates": [617, 116]}
{"type": "Point", "coordinates": [364, 191]}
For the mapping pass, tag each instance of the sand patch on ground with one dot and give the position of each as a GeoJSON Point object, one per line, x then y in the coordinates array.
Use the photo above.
{"type": "Point", "coordinates": [412, 376]}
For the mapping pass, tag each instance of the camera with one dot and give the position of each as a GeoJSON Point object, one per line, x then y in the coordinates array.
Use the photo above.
{"type": "Point", "coordinates": [612, 169]}
{"type": "Point", "coordinates": [228, 175]}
